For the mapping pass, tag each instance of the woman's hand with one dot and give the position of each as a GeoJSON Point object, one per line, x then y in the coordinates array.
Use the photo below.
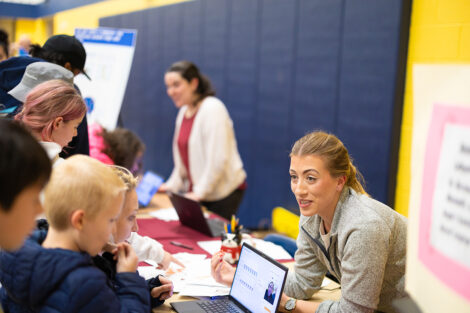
{"type": "Point", "coordinates": [163, 188]}
{"type": "Point", "coordinates": [126, 258]}
{"type": "Point", "coordinates": [165, 291]}
{"type": "Point", "coordinates": [192, 196]}
{"type": "Point", "coordinates": [167, 259]}
{"type": "Point", "coordinates": [221, 271]}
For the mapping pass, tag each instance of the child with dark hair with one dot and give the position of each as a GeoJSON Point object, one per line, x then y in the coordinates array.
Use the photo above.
{"type": "Point", "coordinates": [24, 171]}
{"type": "Point", "coordinates": [120, 147]}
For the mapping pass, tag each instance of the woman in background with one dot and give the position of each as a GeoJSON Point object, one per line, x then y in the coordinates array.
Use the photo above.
{"type": "Point", "coordinates": [208, 167]}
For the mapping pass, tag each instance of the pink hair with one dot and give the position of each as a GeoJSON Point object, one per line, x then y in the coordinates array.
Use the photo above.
{"type": "Point", "coordinates": [48, 101]}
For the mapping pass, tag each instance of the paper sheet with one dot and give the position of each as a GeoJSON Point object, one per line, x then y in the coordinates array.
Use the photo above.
{"type": "Point", "coordinates": [167, 215]}
{"type": "Point", "coordinates": [194, 279]}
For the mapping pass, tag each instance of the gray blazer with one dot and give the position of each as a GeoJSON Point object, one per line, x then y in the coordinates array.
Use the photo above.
{"type": "Point", "coordinates": [367, 255]}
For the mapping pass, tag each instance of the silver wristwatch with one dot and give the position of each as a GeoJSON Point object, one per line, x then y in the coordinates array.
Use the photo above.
{"type": "Point", "coordinates": [290, 304]}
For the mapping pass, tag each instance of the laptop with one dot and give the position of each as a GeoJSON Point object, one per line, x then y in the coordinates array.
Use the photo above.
{"type": "Point", "coordinates": [147, 187]}
{"type": "Point", "coordinates": [257, 287]}
{"type": "Point", "coordinates": [191, 215]}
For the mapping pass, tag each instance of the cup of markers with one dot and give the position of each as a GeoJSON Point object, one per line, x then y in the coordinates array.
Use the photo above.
{"type": "Point", "coordinates": [232, 241]}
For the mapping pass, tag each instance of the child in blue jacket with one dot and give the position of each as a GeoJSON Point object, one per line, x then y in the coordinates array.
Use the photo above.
{"type": "Point", "coordinates": [54, 272]}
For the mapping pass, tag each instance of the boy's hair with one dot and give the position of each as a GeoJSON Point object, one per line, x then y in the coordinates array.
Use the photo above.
{"type": "Point", "coordinates": [46, 102]}
{"type": "Point", "coordinates": [80, 182]}
{"type": "Point", "coordinates": [122, 146]}
{"type": "Point", "coordinates": [126, 177]}
{"type": "Point", "coordinates": [23, 162]}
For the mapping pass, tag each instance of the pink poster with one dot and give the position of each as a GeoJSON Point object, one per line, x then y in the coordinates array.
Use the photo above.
{"type": "Point", "coordinates": [444, 229]}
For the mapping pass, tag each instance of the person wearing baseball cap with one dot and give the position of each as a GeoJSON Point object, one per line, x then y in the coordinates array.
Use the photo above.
{"type": "Point", "coordinates": [67, 51]}
{"type": "Point", "coordinates": [63, 50]}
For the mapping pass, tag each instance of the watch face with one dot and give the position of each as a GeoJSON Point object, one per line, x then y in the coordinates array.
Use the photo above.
{"type": "Point", "coordinates": [290, 304]}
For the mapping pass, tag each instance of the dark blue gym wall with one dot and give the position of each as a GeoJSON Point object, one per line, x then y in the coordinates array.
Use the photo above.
{"type": "Point", "coordinates": [283, 68]}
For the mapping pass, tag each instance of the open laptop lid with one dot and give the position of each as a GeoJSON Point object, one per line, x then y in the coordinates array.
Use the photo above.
{"type": "Point", "coordinates": [258, 282]}
{"type": "Point", "coordinates": [147, 187]}
{"type": "Point", "coordinates": [190, 213]}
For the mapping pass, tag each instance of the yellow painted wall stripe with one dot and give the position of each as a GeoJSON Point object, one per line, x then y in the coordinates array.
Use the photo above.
{"type": "Point", "coordinates": [439, 33]}
{"type": "Point", "coordinates": [88, 16]}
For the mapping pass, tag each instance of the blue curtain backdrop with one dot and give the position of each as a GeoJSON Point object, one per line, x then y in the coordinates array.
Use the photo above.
{"type": "Point", "coordinates": [283, 68]}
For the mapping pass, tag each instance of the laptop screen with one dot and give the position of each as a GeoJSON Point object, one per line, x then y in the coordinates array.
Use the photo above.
{"type": "Point", "coordinates": [147, 187]}
{"type": "Point", "coordinates": [258, 281]}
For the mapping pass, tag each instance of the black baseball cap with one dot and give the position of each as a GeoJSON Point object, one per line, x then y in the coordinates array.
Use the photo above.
{"type": "Point", "coordinates": [71, 48]}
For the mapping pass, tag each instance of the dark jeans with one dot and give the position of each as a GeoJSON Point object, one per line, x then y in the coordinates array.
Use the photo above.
{"type": "Point", "coordinates": [227, 206]}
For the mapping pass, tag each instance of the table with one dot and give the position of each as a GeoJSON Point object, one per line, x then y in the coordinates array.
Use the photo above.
{"type": "Point", "coordinates": [330, 292]}
{"type": "Point", "coordinates": [175, 231]}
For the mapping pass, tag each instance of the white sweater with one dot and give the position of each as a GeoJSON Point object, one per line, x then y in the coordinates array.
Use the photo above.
{"type": "Point", "coordinates": [146, 248]}
{"type": "Point", "coordinates": [215, 164]}
{"type": "Point", "coordinates": [53, 149]}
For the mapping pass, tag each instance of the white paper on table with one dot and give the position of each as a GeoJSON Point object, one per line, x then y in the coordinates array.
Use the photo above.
{"type": "Point", "coordinates": [167, 215]}
{"type": "Point", "coordinates": [149, 272]}
{"type": "Point", "coordinates": [274, 251]}
{"type": "Point", "coordinates": [204, 291]}
{"type": "Point", "coordinates": [195, 273]}
{"type": "Point", "coordinates": [211, 246]}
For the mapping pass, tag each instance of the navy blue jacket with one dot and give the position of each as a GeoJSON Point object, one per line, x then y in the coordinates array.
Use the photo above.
{"type": "Point", "coordinates": [11, 73]}
{"type": "Point", "coordinates": [36, 279]}
{"type": "Point", "coordinates": [107, 264]}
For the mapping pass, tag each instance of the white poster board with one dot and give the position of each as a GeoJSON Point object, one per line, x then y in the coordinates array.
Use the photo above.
{"type": "Point", "coordinates": [108, 63]}
{"type": "Point", "coordinates": [438, 271]}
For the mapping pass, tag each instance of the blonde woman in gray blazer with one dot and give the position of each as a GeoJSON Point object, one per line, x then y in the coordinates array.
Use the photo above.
{"type": "Point", "coordinates": [359, 240]}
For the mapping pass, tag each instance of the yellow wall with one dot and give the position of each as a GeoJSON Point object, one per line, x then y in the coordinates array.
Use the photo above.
{"type": "Point", "coordinates": [439, 33]}
{"type": "Point", "coordinates": [88, 16]}
{"type": "Point", "coordinates": [83, 17]}
{"type": "Point", "coordinates": [35, 28]}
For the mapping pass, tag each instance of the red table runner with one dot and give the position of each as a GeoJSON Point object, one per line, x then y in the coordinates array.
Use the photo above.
{"type": "Point", "coordinates": [164, 232]}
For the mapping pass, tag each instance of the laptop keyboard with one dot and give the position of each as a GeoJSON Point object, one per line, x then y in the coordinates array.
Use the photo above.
{"type": "Point", "coordinates": [220, 306]}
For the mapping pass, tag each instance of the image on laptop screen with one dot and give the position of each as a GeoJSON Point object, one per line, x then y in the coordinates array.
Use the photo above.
{"type": "Point", "coordinates": [258, 282]}
{"type": "Point", "coordinates": [147, 187]}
